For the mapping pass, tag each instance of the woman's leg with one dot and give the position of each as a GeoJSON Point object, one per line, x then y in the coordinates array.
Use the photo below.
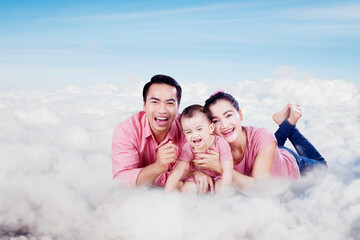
{"type": "Point", "coordinates": [305, 164]}
{"type": "Point", "coordinates": [308, 156]}
{"type": "Point", "coordinates": [303, 147]}
{"type": "Point", "coordinates": [283, 133]}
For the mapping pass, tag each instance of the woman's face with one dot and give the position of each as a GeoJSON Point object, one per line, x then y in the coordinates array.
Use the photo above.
{"type": "Point", "coordinates": [227, 120]}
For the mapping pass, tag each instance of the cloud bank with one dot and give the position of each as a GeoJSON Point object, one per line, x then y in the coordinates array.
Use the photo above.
{"type": "Point", "coordinates": [56, 180]}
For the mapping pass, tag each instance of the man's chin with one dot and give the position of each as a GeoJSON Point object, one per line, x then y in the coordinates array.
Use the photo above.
{"type": "Point", "coordinates": [161, 128]}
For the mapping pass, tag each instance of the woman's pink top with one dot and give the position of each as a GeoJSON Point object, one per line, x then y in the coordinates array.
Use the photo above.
{"type": "Point", "coordinates": [258, 139]}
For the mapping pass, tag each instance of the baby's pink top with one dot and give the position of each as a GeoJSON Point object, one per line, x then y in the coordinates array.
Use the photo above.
{"type": "Point", "coordinates": [134, 147]}
{"type": "Point", "coordinates": [220, 146]}
{"type": "Point", "coordinates": [259, 138]}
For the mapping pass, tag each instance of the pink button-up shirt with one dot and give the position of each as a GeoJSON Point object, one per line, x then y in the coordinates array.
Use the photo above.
{"type": "Point", "coordinates": [134, 147]}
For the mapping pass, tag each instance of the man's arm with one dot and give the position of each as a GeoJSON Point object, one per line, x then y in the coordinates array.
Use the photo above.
{"type": "Point", "coordinates": [149, 173]}
{"type": "Point", "coordinates": [125, 158]}
{"type": "Point", "coordinates": [166, 154]}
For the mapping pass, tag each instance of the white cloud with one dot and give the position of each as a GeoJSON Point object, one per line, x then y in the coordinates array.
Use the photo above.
{"type": "Point", "coordinates": [56, 181]}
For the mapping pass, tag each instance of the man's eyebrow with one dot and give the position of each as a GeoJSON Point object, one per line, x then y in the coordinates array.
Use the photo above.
{"type": "Point", "coordinates": [154, 98]}
{"type": "Point", "coordinates": [168, 100]}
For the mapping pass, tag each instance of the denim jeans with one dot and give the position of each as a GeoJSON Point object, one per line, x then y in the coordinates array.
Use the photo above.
{"type": "Point", "coordinates": [307, 157]}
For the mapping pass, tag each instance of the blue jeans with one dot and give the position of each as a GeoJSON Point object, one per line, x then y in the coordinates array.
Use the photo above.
{"type": "Point", "coordinates": [307, 157]}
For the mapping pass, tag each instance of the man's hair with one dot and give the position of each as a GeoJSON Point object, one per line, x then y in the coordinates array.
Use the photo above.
{"type": "Point", "coordinates": [221, 96]}
{"type": "Point", "coordinates": [163, 79]}
{"type": "Point", "coordinates": [192, 110]}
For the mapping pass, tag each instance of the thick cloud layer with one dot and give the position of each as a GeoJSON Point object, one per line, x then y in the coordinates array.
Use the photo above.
{"type": "Point", "coordinates": [56, 180]}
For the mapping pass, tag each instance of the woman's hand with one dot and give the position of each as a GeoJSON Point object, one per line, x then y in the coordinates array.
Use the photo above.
{"type": "Point", "coordinates": [203, 182]}
{"type": "Point", "coordinates": [209, 160]}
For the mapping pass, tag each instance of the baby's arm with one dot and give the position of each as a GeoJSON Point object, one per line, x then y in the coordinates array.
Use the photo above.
{"type": "Point", "coordinates": [226, 177]}
{"type": "Point", "coordinates": [175, 176]}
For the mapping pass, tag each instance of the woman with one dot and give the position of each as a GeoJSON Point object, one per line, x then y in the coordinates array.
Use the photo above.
{"type": "Point", "coordinates": [256, 152]}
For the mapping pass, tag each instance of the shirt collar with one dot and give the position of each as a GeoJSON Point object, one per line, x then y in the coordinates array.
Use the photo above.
{"type": "Point", "coordinates": [146, 125]}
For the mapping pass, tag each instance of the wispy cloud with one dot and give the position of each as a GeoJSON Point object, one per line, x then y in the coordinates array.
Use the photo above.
{"type": "Point", "coordinates": [148, 14]}
{"type": "Point", "coordinates": [339, 12]}
{"type": "Point", "coordinates": [159, 13]}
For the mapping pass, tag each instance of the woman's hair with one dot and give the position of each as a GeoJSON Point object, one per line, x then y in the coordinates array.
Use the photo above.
{"type": "Point", "coordinates": [221, 96]}
{"type": "Point", "coordinates": [192, 110]}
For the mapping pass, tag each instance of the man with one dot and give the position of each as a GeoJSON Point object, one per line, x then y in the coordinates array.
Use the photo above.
{"type": "Point", "coordinates": [146, 145]}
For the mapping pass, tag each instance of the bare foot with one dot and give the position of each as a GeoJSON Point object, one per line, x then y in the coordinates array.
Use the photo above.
{"type": "Point", "coordinates": [295, 114]}
{"type": "Point", "coordinates": [279, 117]}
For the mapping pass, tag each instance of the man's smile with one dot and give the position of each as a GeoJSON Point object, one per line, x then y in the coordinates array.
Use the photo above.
{"type": "Point", "coordinates": [161, 120]}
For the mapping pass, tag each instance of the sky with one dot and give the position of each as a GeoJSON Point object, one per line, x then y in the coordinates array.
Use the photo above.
{"type": "Point", "coordinates": [56, 179]}
{"type": "Point", "coordinates": [54, 44]}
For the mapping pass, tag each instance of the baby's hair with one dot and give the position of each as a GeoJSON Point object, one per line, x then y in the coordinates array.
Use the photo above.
{"type": "Point", "coordinates": [192, 110]}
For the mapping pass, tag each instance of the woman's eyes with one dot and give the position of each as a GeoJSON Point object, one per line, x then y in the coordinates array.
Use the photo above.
{"type": "Point", "coordinates": [215, 121]}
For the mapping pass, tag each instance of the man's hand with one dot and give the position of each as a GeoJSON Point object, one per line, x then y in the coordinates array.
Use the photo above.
{"type": "Point", "coordinates": [166, 154]}
{"type": "Point", "coordinates": [203, 182]}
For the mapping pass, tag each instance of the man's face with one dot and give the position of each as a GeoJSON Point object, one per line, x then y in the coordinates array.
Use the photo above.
{"type": "Point", "coordinates": [161, 108]}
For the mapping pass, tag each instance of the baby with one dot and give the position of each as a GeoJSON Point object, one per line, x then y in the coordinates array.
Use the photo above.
{"type": "Point", "coordinates": [198, 130]}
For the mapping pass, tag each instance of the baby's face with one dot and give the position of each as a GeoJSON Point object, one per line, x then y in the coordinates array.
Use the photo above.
{"type": "Point", "coordinates": [198, 130]}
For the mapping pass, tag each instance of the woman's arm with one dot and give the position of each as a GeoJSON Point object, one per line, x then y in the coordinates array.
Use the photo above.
{"type": "Point", "coordinates": [175, 176]}
{"type": "Point", "coordinates": [264, 162]}
{"type": "Point", "coordinates": [262, 168]}
{"type": "Point", "coordinates": [240, 181]}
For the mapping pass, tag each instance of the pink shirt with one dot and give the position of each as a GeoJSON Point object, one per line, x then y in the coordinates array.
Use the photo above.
{"type": "Point", "coordinates": [134, 147]}
{"type": "Point", "coordinates": [220, 146]}
{"type": "Point", "coordinates": [259, 138]}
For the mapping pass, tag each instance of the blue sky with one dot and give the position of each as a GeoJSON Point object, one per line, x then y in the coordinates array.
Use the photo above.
{"type": "Point", "coordinates": [52, 44]}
